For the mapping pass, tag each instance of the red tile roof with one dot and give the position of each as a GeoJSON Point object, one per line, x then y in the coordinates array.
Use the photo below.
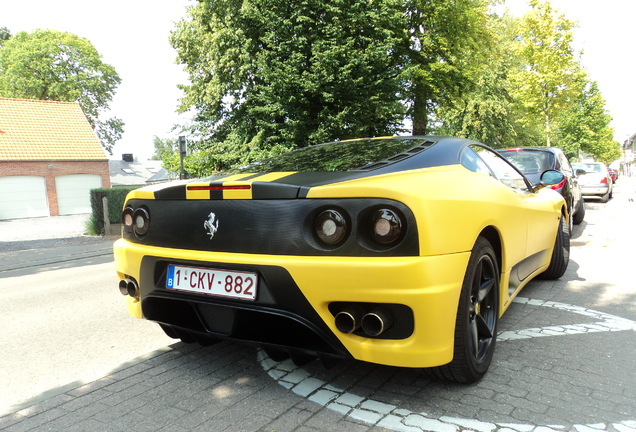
{"type": "Point", "coordinates": [46, 130]}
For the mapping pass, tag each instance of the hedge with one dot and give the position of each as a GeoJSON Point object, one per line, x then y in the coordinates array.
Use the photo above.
{"type": "Point", "coordinates": [116, 197]}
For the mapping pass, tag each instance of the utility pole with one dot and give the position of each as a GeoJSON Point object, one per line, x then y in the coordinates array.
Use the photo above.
{"type": "Point", "coordinates": [183, 152]}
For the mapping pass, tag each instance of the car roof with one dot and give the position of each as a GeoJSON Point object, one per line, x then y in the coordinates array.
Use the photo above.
{"type": "Point", "coordinates": [426, 151]}
{"type": "Point", "coordinates": [543, 149]}
{"type": "Point", "coordinates": [440, 151]}
{"type": "Point", "coordinates": [588, 163]}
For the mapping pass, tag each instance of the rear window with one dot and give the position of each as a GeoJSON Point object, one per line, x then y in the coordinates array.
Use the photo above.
{"type": "Point", "coordinates": [363, 155]}
{"type": "Point", "coordinates": [530, 162]}
{"type": "Point", "coordinates": [589, 167]}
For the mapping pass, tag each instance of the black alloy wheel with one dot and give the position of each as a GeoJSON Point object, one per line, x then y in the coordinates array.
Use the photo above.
{"type": "Point", "coordinates": [477, 318]}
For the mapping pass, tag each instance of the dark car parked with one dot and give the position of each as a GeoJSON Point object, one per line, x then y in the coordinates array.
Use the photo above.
{"type": "Point", "coordinates": [533, 161]}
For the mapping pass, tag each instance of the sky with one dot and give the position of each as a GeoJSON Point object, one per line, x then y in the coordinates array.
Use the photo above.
{"type": "Point", "coordinates": [132, 36]}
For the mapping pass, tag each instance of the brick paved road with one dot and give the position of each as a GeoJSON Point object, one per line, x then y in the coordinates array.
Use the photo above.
{"type": "Point", "coordinates": [565, 362]}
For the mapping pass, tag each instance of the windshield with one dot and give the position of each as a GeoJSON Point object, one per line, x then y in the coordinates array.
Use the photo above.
{"type": "Point", "coordinates": [589, 167]}
{"type": "Point", "coordinates": [530, 162]}
{"type": "Point", "coordinates": [365, 154]}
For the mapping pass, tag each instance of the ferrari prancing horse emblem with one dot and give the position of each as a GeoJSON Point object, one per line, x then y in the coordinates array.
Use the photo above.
{"type": "Point", "coordinates": [212, 224]}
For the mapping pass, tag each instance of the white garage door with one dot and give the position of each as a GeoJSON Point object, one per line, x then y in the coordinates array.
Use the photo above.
{"type": "Point", "coordinates": [23, 197]}
{"type": "Point", "coordinates": [73, 192]}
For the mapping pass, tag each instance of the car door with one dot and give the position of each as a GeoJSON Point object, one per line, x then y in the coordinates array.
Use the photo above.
{"type": "Point", "coordinates": [506, 202]}
{"type": "Point", "coordinates": [533, 212]}
{"type": "Point", "coordinates": [573, 182]}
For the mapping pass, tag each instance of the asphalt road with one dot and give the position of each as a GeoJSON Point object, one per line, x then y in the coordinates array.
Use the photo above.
{"type": "Point", "coordinates": [62, 317]}
{"type": "Point", "coordinates": [564, 361]}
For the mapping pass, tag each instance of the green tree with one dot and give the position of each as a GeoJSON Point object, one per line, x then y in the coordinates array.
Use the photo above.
{"type": "Point", "coordinates": [52, 65]}
{"type": "Point", "coordinates": [163, 147]}
{"type": "Point", "coordinates": [554, 96]}
{"type": "Point", "coordinates": [546, 82]}
{"type": "Point", "coordinates": [269, 75]}
{"type": "Point", "coordinates": [486, 112]}
{"type": "Point", "coordinates": [196, 163]}
{"type": "Point", "coordinates": [449, 47]}
{"type": "Point", "coordinates": [584, 126]}
{"type": "Point", "coordinates": [5, 35]}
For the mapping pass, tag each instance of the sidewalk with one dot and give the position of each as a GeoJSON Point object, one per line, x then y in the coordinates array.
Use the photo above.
{"type": "Point", "coordinates": [38, 241]}
{"type": "Point", "coordinates": [42, 228]}
{"type": "Point", "coordinates": [62, 252]}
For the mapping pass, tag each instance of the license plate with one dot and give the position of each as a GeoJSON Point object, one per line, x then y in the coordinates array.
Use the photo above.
{"type": "Point", "coordinates": [234, 284]}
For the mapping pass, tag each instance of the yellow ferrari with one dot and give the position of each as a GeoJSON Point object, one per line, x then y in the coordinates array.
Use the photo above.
{"type": "Point", "coordinates": [402, 251]}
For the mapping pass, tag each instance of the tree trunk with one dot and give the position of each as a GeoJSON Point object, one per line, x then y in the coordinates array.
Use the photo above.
{"type": "Point", "coordinates": [420, 113]}
{"type": "Point", "coordinates": [548, 131]}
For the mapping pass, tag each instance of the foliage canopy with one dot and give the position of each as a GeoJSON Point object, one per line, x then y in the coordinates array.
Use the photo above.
{"type": "Point", "coordinates": [270, 75]}
{"type": "Point", "coordinates": [267, 76]}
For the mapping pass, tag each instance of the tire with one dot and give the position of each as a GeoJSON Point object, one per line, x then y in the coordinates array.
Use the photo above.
{"type": "Point", "coordinates": [560, 254]}
{"type": "Point", "coordinates": [477, 318]}
{"type": "Point", "coordinates": [605, 198]}
{"type": "Point", "coordinates": [580, 213]}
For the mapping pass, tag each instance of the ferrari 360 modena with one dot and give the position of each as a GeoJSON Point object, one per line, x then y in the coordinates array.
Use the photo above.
{"type": "Point", "coordinates": [401, 251]}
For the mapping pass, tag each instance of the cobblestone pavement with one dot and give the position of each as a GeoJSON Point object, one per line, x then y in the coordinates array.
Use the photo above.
{"type": "Point", "coordinates": [564, 362]}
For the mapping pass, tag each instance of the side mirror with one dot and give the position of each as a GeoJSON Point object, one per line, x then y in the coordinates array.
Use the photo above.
{"type": "Point", "coordinates": [552, 177]}
{"type": "Point", "coordinates": [549, 178]}
{"type": "Point", "coordinates": [579, 172]}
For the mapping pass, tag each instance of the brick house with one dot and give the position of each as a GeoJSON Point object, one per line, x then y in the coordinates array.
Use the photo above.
{"type": "Point", "coordinates": [49, 159]}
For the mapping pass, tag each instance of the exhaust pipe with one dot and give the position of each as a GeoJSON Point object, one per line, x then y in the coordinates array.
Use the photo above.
{"type": "Point", "coordinates": [350, 319]}
{"type": "Point", "coordinates": [129, 287]}
{"type": "Point", "coordinates": [377, 322]}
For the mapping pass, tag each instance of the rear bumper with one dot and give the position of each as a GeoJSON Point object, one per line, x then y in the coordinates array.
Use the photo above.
{"type": "Point", "coordinates": [594, 190]}
{"type": "Point", "coordinates": [294, 307]}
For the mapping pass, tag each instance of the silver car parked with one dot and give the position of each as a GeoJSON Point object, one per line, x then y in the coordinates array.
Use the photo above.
{"type": "Point", "coordinates": [596, 182]}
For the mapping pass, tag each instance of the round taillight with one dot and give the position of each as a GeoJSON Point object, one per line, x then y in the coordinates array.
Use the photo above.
{"type": "Point", "coordinates": [386, 226]}
{"type": "Point", "coordinates": [127, 219]}
{"type": "Point", "coordinates": [331, 227]}
{"type": "Point", "coordinates": [141, 221]}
